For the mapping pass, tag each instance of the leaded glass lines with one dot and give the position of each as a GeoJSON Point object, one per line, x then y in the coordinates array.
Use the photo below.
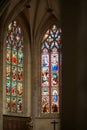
{"type": "Point", "coordinates": [14, 68]}
{"type": "Point", "coordinates": [50, 70]}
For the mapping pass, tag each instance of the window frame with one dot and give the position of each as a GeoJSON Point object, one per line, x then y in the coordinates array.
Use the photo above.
{"type": "Point", "coordinates": [27, 76]}
{"type": "Point", "coordinates": [52, 115]}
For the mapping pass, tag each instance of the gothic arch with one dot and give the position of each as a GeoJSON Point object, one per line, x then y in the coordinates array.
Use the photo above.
{"type": "Point", "coordinates": [45, 26]}
{"type": "Point", "coordinates": [27, 66]}
{"type": "Point", "coordinates": [34, 26]}
{"type": "Point", "coordinates": [47, 22]}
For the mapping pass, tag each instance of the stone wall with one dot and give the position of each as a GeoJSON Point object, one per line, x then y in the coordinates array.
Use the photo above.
{"type": "Point", "coordinates": [45, 124]}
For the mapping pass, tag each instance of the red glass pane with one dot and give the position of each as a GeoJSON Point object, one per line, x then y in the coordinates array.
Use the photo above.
{"type": "Point", "coordinates": [14, 67]}
{"type": "Point", "coordinates": [45, 104]}
{"type": "Point", "coordinates": [51, 62]}
{"type": "Point", "coordinates": [14, 73]}
{"type": "Point", "coordinates": [8, 87]}
{"type": "Point", "coordinates": [14, 57]}
{"type": "Point", "coordinates": [20, 74]}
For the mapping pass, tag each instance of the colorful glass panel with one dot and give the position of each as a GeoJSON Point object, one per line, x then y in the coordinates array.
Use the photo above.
{"type": "Point", "coordinates": [19, 89]}
{"type": "Point", "coordinates": [20, 58]}
{"type": "Point", "coordinates": [8, 103]}
{"type": "Point", "coordinates": [14, 72]}
{"type": "Point", "coordinates": [45, 104]}
{"type": "Point", "coordinates": [8, 71]}
{"type": "Point", "coordinates": [13, 88]}
{"type": "Point", "coordinates": [8, 87]}
{"type": "Point", "coordinates": [19, 104]}
{"type": "Point", "coordinates": [14, 57]}
{"type": "Point", "coordinates": [13, 104]}
{"type": "Point", "coordinates": [45, 91]}
{"type": "Point", "coordinates": [51, 57]}
{"type": "Point", "coordinates": [8, 56]}
{"type": "Point", "coordinates": [14, 68]}
{"type": "Point", "coordinates": [20, 74]}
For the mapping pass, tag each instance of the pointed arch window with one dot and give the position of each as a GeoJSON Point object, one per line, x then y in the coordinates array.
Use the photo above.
{"type": "Point", "coordinates": [14, 68]}
{"type": "Point", "coordinates": [51, 58]}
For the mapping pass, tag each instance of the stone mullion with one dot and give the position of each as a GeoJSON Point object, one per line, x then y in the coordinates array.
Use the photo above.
{"type": "Point", "coordinates": [1, 81]}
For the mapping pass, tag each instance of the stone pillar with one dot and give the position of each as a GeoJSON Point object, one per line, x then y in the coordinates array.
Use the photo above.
{"type": "Point", "coordinates": [82, 68]}
{"type": "Point", "coordinates": [29, 123]}
{"type": "Point", "coordinates": [1, 86]}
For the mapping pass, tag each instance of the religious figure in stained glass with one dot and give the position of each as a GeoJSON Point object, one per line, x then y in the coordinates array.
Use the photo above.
{"type": "Point", "coordinates": [54, 59]}
{"type": "Point", "coordinates": [8, 71]}
{"type": "Point", "coordinates": [8, 89]}
{"type": "Point", "coordinates": [8, 56]}
{"type": "Point", "coordinates": [14, 68]}
{"type": "Point", "coordinates": [51, 58]}
{"type": "Point", "coordinates": [19, 89]}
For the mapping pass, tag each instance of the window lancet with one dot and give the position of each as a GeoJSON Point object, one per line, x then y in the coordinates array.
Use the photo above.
{"type": "Point", "coordinates": [14, 68]}
{"type": "Point", "coordinates": [51, 58]}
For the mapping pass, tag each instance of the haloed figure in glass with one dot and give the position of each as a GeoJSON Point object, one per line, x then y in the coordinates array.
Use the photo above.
{"type": "Point", "coordinates": [50, 70]}
{"type": "Point", "coordinates": [14, 68]}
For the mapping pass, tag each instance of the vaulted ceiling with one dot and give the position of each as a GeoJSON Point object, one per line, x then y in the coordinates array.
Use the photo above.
{"type": "Point", "coordinates": [3, 4]}
{"type": "Point", "coordinates": [36, 6]}
{"type": "Point", "coordinates": [35, 12]}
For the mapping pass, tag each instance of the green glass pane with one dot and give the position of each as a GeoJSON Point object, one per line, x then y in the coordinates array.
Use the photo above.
{"type": "Point", "coordinates": [51, 68]}
{"type": "Point", "coordinates": [14, 66]}
{"type": "Point", "coordinates": [20, 58]}
{"type": "Point", "coordinates": [8, 103]}
{"type": "Point", "coordinates": [19, 104]}
{"type": "Point", "coordinates": [8, 87]}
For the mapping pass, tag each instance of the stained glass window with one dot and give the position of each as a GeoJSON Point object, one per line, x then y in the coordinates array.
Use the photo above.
{"type": "Point", "coordinates": [51, 62]}
{"type": "Point", "coordinates": [14, 68]}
